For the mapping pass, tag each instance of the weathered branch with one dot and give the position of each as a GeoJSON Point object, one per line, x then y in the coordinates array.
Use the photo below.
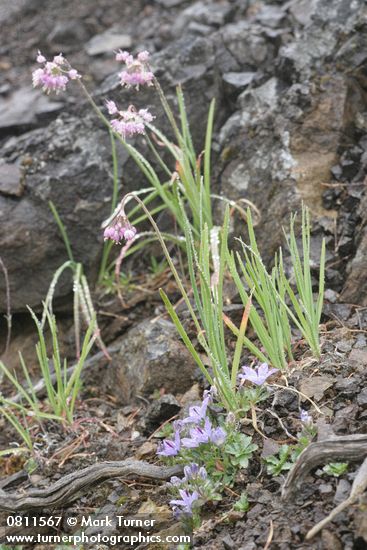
{"type": "Point", "coordinates": [349, 448]}
{"type": "Point", "coordinates": [71, 486]}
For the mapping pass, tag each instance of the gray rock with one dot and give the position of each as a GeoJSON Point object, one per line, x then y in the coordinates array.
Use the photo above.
{"type": "Point", "coordinates": [169, 3]}
{"type": "Point", "coordinates": [239, 80]}
{"type": "Point", "coordinates": [302, 10]}
{"type": "Point", "coordinates": [159, 411]}
{"type": "Point", "coordinates": [248, 44]}
{"type": "Point", "coordinates": [326, 488]}
{"type": "Point", "coordinates": [67, 163]}
{"type": "Point", "coordinates": [271, 16]}
{"type": "Point", "coordinates": [11, 180]}
{"type": "Point", "coordinates": [8, 8]}
{"type": "Point", "coordinates": [342, 491]}
{"type": "Point", "coordinates": [208, 13]}
{"type": "Point", "coordinates": [25, 107]}
{"type": "Point", "coordinates": [151, 357]}
{"type": "Point", "coordinates": [108, 41]}
{"type": "Point", "coordinates": [68, 34]}
{"type": "Point", "coordinates": [362, 398]}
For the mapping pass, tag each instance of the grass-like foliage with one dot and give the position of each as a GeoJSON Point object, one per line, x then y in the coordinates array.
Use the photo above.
{"type": "Point", "coordinates": [306, 307]}
{"type": "Point", "coordinates": [271, 321]}
{"type": "Point", "coordinates": [278, 306]}
{"type": "Point", "coordinates": [207, 267]}
{"type": "Point", "coordinates": [62, 383]}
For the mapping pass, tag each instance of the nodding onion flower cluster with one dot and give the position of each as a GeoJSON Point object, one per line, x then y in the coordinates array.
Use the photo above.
{"type": "Point", "coordinates": [54, 75]}
{"type": "Point", "coordinates": [130, 122]}
{"type": "Point", "coordinates": [119, 229]}
{"type": "Point", "coordinates": [137, 71]}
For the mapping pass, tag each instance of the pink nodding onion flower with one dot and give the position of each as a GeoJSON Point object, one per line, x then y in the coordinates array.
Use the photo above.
{"type": "Point", "coordinates": [118, 227]}
{"type": "Point", "coordinates": [54, 75]}
{"type": "Point", "coordinates": [129, 122]}
{"type": "Point", "coordinates": [137, 72]}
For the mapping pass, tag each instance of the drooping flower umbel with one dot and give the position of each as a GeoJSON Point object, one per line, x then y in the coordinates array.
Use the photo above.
{"type": "Point", "coordinates": [118, 227]}
{"type": "Point", "coordinates": [130, 122]}
{"type": "Point", "coordinates": [257, 376]}
{"type": "Point", "coordinates": [54, 75]}
{"type": "Point", "coordinates": [137, 72]}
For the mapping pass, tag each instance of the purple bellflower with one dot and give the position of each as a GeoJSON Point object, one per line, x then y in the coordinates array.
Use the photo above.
{"type": "Point", "coordinates": [305, 417]}
{"type": "Point", "coordinates": [197, 413]}
{"type": "Point", "coordinates": [194, 471]}
{"type": "Point", "coordinates": [257, 376]}
{"type": "Point", "coordinates": [169, 447]}
{"type": "Point", "coordinates": [184, 506]}
{"type": "Point", "coordinates": [206, 434]}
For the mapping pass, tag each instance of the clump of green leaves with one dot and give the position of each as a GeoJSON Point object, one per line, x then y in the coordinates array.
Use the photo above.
{"type": "Point", "coordinates": [242, 504]}
{"type": "Point", "coordinates": [240, 448]}
{"type": "Point", "coordinates": [335, 469]}
{"type": "Point", "coordinates": [280, 462]}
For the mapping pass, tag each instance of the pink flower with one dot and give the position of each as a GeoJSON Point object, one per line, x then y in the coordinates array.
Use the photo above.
{"type": "Point", "coordinates": [120, 229]}
{"type": "Point", "coordinates": [129, 122]}
{"type": "Point", "coordinates": [59, 59]}
{"type": "Point", "coordinates": [137, 72]}
{"type": "Point", "coordinates": [73, 74]}
{"type": "Point", "coordinates": [54, 75]}
{"type": "Point", "coordinates": [145, 115]}
{"type": "Point", "coordinates": [143, 56]}
{"type": "Point", "coordinates": [130, 233]}
{"type": "Point", "coordinates": [111, 107]}
{"type": "Point", "coordinates": [123, 56]}
{"type": "Point", "coordinates": [40, 58]}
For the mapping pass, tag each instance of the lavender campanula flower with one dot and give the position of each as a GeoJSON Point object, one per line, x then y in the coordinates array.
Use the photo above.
{"type": "Point", "coordinates": [206, 434]}
{"type": "Point", "coordinates": [169, 447]}
{"type": "Point", "coordinates": [193, 472]}
{"type": "Point", "coordinates": [137, 72]}
{"type": "Point", "coordinates": [305, 417]}
{"type": "Point", "coordinates": [197, 413]}
{"type": "Point", "coordinates": [218, 436]}
{"type": "Point", "coordinates": [257, 375]}
{"type": "Point", "coordinates": [184, 506]}
{"type": "Point", "coordinates": [130, 122]}
{"type": "Point", "coordinates": [175, 481]}
{"type": "Point", "coordinates": [54, 75]}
